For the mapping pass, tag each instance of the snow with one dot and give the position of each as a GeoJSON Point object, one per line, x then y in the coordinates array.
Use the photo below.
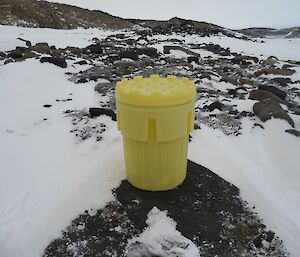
{"type": "Point", "coordinates": [47, 178]}
{"type": "Point", "coordinates": [282, 48]}
{"type": "Point", "coordinates": [161, 238]}
{"type": "Point", "coordinates": [264, 164]}
{"type": "Point", "coordinates": [59, 38]}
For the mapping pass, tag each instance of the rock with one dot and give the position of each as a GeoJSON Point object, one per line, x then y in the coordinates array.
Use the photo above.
{"type": "Point", "coordinates": [245, 81]}
{"type": "Point", "coordinates": [42, 48]}
{"type": "Point", "coordinates": [94, 49]}
{"type": "Point", "coordinates": [274, 71]}
{"type": "Point", "coordinates": [239, 58]}
{"type": "Point", "coordinates": [205, 75]}
{"type": "Point", "coordinates": [282, 81]}
{"type": "Point", "coordinates": [95, 112]}
{"type": "Point", "coordinates": [7, 61]}
{"type": "Point", "coordinates": [217, 49]}
{"type": "Point", "coordinates": [83, 62]}
{"type": "Point", "coordinates": [270, 61]}
{"type": "Point", "coordinates": [27, 42]}
{"type": "Point", "coordinates": [130, 41]}
{"type": "Point", "coordinates": [74, 50]}
{"type": "Point", "coordinates": [82, 80]}
{"type": "Point", "coordinates": [232, 91]}
{"type": "Point", "coordinates": [2, 54]}
{"type": "Point", "coordinates": [149, 51]}
{"type": "Point", "coordinates": [129, 54]}
{"type": "Point", "coordinates": [167, 49]}
{"type": "Point", "coordinates": [258, 125]}
{"type": "Point", "coordinates": [293, 132]}
{"type": "Point", "coordinates": [213, 106]}
{"type": "Point", "coordinates": [261, 95]}
{"type": "Point", "coordinates": [274, 90]}
{"type": "Point", "coordinates": [191, 59]}
{"type": "Point", "coordinates": [120, 36]}
{"type": "Point", "coordinates": [269, 236]}
{"type": "Point", "coordinates": [232, 79]}
{"type": "Point", "coordinates": [47, 105]}
{"type": "Point", "coordinates": [269, 108]}
{"type": "Point", "coordinates": [15, 54]}
{"type": "Point", "coordinates": [103, 88]}
{"type": "Point", "coordinates": [61, 62]}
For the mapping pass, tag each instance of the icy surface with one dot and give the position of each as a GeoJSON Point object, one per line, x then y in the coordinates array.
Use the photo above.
{"type": "Point", "coordinates": [46, 178]}
{"type": "Point", "coordinates": [161, 238]}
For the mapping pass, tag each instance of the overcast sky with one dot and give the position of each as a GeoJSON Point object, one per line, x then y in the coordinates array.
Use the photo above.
{"type": "Point", "coordinates": [227, 13]}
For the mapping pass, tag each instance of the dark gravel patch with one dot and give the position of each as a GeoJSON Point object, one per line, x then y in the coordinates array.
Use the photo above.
{"type": "Point", "coordinates": [207, 209]}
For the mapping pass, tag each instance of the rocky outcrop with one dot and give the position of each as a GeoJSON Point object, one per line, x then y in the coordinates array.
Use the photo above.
{"type": "Point", "coordinates": [268, 109]}
{"type": "Point", "coordinates": [42, 14]}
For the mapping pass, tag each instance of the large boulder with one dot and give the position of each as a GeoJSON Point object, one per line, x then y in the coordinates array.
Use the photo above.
{"type": "Point", "coordinates": [268, 109]}
{"type": "Point", "coordinates": [261, 95]}
{"type": "Point", "coordinates": [274, 90]}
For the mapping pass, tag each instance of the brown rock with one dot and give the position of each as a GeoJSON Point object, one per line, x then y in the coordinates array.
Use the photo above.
{"type": "Point", "coordinates": [267, 71]}
{"type": "Point", "coordinates": [261, 95]}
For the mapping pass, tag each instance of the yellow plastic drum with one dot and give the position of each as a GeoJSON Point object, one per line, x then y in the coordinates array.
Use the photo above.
{"type": "Point", "coordinates": [155, 116]}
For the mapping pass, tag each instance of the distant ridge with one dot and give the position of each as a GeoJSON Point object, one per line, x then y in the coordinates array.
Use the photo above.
{"type": "Point", "coordinates": [42, 14]}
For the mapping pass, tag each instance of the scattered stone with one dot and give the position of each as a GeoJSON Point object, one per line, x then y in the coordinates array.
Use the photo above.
{"type": "Point", "coordinates": [293, 132]}
{"type": "Point", "coordinates": [269, 108]}
{"type": "Point", "coordinates": [258, 125]}
{"type": "Point", "coordinates": [276, 91]}
{"type": "Point", "coordinates": [261, 95]}
{"type": "Point", "coordinates": [95, 112]}
{"type": "Point", "coordinates": [61, 62]}
{"type": "Point", "coordinates": [129, 54]}
{"type": "Point", "coordinates": [224, 225]}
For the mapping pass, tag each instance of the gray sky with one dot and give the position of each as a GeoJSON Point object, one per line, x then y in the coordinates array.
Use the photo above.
{"type": "Point", "coordinates": [227, 13]}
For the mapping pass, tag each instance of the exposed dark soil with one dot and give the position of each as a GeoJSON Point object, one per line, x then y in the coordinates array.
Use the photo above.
{"type": "Point", "coordinates": [207, 209]}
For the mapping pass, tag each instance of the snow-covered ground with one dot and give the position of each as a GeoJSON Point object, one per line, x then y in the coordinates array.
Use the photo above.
{"type": "Point", "coordinates": [47, 177]}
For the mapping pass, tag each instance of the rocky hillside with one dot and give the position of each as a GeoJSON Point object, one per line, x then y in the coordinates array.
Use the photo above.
{"type": "Point", "coordinates": [42, 14]}
{"type": "Point", "coordinates": [269, 32]}
{"type": "Point", "coordinates": [179, 25]}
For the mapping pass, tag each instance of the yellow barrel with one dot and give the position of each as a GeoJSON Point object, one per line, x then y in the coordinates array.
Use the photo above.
{"type": "Point", "coordinates": [155, 116]}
